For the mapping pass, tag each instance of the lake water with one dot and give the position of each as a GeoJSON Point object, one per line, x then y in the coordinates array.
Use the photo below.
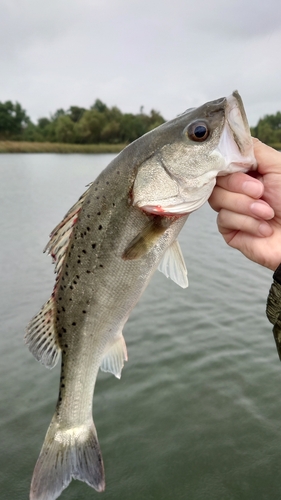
{"type": "Point", "coordinates": [197, 412]}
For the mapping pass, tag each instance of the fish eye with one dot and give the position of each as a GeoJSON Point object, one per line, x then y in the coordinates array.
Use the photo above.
{"type": "Point", "coordinates": [198, 131]}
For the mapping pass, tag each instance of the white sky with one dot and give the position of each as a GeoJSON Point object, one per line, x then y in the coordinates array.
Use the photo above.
{"type": "Point", "coordinates": [163, 54]}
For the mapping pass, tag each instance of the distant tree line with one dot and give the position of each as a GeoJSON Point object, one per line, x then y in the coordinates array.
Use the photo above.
{"type": "Point", "coordinates": [268, 129]}
{"type": "Point", "coordinates": [99, 124]}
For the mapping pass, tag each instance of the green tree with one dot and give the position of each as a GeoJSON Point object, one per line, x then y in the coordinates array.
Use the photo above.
{"type": "Point", "coordinates": [99, 106]}
{"type": "Point", "coordinates": [76, 113]}
{"type": "Point", "coordinates": [13, 120]}
{"type": "Point", "coordinates": [268, 129]}
{"type": "Point", "coordinates": [88, 129]}
{"type": "Point", "coordinates": [111, 132]}
{"type": "Point", "coordinates": [65, 129]}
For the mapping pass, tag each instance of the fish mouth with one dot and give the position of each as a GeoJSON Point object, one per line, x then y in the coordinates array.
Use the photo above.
{"type": "Point", "coordinates": [236, 144]}
{"type": "Point", "coordinates": [232, 153]}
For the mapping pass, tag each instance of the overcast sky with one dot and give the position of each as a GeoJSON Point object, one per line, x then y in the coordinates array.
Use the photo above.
{"type": "Point", "coordinates": [163, 54]}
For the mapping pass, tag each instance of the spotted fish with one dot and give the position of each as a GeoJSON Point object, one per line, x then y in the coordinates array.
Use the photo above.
{"type": "Point", "coordinates": [105, 250]}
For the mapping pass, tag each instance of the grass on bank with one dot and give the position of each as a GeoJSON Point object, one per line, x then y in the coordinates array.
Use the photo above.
{"type": "Point", "coordinates": [54, 147]}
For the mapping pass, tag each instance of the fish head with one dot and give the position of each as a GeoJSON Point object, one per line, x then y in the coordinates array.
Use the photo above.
{"type": "Point", "coordinates": [189, 153]}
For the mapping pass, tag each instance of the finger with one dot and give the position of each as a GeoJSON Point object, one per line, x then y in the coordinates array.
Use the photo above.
{"type": "Point", "coordinates": [269, 160]}
{"type": "Point", "coordinates": [240, 204]}
{"type": "Point", "coordinates": [229, 221]}
{"type": "Point", "coordinates": [241, 183]}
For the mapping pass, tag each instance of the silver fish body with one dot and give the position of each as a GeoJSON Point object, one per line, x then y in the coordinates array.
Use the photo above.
{"type": "Point", "coordinates": [105, 250]}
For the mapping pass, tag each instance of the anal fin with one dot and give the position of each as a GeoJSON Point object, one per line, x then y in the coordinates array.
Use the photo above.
{"type": "Point", "coordinates": [115, 355]}
{"type": "Point", "coordinates": [173, 266]}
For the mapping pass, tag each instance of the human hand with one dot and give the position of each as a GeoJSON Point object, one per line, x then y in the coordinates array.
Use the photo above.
{"type": "Point", "coordinates": [249, 208]}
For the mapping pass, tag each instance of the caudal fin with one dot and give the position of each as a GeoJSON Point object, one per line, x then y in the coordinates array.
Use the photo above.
{"type": "Point", "coordinates": [67, 454]}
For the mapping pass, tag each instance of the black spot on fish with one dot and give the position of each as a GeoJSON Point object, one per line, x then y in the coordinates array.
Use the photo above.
{"type": "Point", "coordinates": [60, 335]}
{"type": "Point", "coordinates": [113, 204]}
{"type": "Point", "coordinates": [88, 272]}
{"type": "Point", "coordinates": [62, 385]}
{"type": "Point", "coordinates": [66, 272]}
{"type": "Point", "coordinates": [77, 276]}
{"type": "Point", "coordinates": [82, 235]}
{"type": "Point", "coordinates": [73, 324]}
{"type": "Point", "coordinates": [107, 182]}
{"type": "Point", "coordinates": [101, 265]}
{"type": "Point", "coordinates": [84, 312]}
{"type": "Point", "coordinates": [100, 227]}
{"type": "Point", "coordinates": [93, 245]}
{"type": "Point", "coordinates": [64, 329]}
{"type": "Point", "coordinates": [75, 282]}
{"type": "Point", "coordinates": [63, 309]}
{"type": "Point", "coordinates": [88, 229]}
{"type": "Point", "coordinates": [66, 265]}
{"type": "Point", "coordinates": [84, 251]}
{"type": "Point", "coordinates": [71, 287]}
{"type": "Point", "coordinates": [78, 261]}
{"type": "Point", "coordinates": [65, 345]}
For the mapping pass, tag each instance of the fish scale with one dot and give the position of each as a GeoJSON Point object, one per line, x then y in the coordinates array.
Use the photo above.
{"type": "Point", "coordinates": [105, 251]}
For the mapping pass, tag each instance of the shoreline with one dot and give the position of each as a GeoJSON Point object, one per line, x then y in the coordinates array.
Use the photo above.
{"type": "Point", "coordinates": [63, 148]}
{"type": "Point", "coordinates": [55, 147]}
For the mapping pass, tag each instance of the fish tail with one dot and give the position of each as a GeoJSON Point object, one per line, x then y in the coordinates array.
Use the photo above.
{"type": "Point", "coordinates": [67, 454]}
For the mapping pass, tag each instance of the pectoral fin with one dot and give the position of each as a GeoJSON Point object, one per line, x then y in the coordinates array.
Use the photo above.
{"type": "Point", "coordinates": [147, 238]}
{"type": "Point", "coordinates": [115, 356]}
{"type": "Point", "coordinates": [173, 265]}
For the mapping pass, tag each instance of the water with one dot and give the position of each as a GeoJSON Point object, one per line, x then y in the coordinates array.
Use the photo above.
{"type": "Point", "coordinates": [197, 413]}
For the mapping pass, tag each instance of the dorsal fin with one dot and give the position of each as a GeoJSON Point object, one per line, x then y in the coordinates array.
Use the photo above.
{"type": "Point", "coordinates": [60, 236]}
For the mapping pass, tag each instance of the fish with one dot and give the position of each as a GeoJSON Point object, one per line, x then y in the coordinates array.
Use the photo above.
{"type": "Point", "coordinates": [105, 250]}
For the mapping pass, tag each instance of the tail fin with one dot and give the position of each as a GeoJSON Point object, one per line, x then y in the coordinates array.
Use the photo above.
{"type": "Point", "coordinates": [66, 454]}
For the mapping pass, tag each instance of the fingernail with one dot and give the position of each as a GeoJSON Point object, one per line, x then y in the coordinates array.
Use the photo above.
{"type": "Point", "coordinates": [261, 209]}
{"type": "Point", "coordinates": [265, 229]}
{"type": "Point", "coordinates": [253, 188]}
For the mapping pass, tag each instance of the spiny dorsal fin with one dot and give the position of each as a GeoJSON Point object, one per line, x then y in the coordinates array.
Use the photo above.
{"type": "Point", "coordinates": [173, 265]}
{"type": "Point", "coordinates": [115, 355]}
{"type": "Point", "coordinates": [41, 336]}
{"type": "Point", "coordinates": [60, 236]}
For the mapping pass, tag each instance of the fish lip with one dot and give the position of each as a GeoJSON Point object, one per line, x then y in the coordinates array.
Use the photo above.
{"type": "Point", "coordinates": [236, 144]}
{"type": "Point", "coordinates": [236, 119]}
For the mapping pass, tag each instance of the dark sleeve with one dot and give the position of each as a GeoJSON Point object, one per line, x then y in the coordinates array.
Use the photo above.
{"type": "Point", "coordinates": [273, 308]}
